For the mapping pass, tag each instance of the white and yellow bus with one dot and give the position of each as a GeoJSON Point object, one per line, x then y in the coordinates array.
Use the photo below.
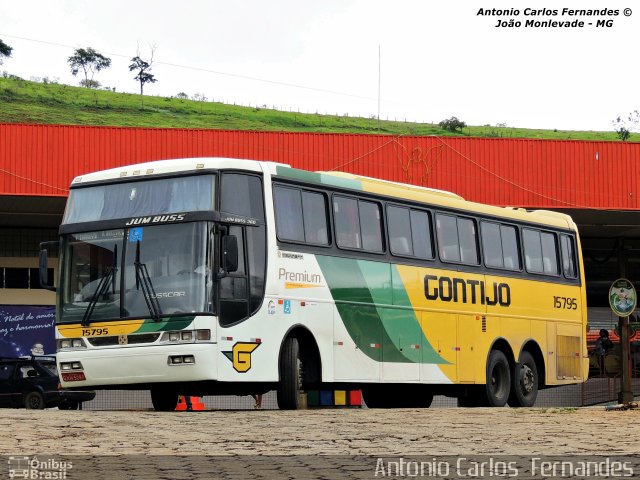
{"type": "Point", "coordinates": [212, 276]}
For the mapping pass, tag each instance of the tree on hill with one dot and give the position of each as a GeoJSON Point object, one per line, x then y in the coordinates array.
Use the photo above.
{"type": "Point", "coordinates": [5, 51]}
{"type": "Point", "coordinates": [452, 124]}
{"type": "Point", "coordinates": [620, 125]}
{"type": "Point", "coordinates": [90, 62]}
{"type": "Point", "coordinates": [142, 69]}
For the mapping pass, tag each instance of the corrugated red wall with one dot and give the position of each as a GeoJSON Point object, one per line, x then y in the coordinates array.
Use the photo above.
{"type": "Point", "coordinates": [43, 159]}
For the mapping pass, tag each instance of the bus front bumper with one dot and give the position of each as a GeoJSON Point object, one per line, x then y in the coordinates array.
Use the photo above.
{"type": "Point", "coordinates": [138, 365]}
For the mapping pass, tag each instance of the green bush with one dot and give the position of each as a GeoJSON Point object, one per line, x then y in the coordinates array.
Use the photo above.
{"type": "Point", "coordinates": [452, 124]}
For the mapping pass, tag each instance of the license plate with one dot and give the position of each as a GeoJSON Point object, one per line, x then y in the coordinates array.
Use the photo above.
{"type": "Point", "coordinates": [73, 376]}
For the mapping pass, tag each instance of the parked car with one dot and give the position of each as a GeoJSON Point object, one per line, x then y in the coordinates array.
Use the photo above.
{"type": "Point", "coordinates": [32, 382]}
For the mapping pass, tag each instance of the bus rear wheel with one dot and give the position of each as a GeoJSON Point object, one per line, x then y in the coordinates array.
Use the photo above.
{"type": "Point", "coordinates": [288, 392]}
{"type": "Point", "coordinates": [164, 399]}
{"type": "Point", "coordinates": [524, 387]}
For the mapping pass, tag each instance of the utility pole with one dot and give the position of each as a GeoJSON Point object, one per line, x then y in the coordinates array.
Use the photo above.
{"type": "Point", "coordinates": [379, 70]}
{"type": "Point", "coordinates": [626, 393]}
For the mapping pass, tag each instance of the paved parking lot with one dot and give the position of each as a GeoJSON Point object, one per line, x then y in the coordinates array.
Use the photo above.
{"type": "Point", "coordinates": [341, 436]}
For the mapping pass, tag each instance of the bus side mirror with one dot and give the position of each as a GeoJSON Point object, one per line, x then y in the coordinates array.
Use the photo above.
{"type": "Point", "coordinates": [43, 264]}
{"type": "Point", "coordinates": [230, 253]}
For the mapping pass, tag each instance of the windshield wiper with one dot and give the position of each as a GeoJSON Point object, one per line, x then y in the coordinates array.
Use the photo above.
{"type": "Point", "coordinates": [102, 287]}
{"type": "Point", "coordinates": [143, 280]}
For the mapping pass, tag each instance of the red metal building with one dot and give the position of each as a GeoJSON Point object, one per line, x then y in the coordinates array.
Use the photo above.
{"type": "Point", "coordinates": [41, 160]}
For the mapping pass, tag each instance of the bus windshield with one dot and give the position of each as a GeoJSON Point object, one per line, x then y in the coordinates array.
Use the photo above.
{"type": "Point", "coordinates": [141, 197]}
{"type": "Point", "coordinates": [139, 272]}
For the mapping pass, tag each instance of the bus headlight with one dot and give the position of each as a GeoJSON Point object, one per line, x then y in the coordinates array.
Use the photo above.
{"type": "Point", "coordinates": [181, 360]}
{"type": "Point", "coordinates": [203, 335]}
{"type": "Point", "coordinates": [186, 336]}
{"type": "Point", "coordinates": [71, 343]}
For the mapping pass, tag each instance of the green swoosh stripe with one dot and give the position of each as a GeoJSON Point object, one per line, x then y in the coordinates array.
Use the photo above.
{"type": "Point", "coordinates": [376, 311]}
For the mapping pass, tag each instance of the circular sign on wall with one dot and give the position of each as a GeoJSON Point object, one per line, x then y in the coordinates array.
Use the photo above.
{"type": "Point", "coordinates": [622, 297]}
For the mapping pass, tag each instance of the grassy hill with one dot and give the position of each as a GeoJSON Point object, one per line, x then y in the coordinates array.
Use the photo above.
{"type": "Point", "coordinates": [24, 101]}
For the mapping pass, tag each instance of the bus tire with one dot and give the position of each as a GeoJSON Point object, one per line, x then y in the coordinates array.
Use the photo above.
{"type": "Point", "coordinates": [164, 399]}
{"type": "Point", "coordinates": [524, 386]}
{"type": "Point", "coordinates": [288, 392]}
{"type": "Point", "coordinates": [498, 386]}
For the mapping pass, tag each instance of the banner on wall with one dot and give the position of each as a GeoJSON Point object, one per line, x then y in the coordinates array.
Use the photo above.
{"type": "Point", "coordinates": [27, 330]}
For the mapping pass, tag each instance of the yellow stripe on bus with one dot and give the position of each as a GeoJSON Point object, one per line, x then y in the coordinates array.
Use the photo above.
{"type": "Point", "coordinates": [99, 329]}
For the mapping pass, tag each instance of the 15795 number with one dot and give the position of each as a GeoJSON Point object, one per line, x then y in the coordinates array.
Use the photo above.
{"type": "Point", "coordinates": [94, 332]}
{"type": "Point", "coordinates": [565, 303]}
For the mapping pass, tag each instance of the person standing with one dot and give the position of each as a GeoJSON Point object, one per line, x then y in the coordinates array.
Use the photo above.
{"type": "Point", "coordinates": [603, 345]}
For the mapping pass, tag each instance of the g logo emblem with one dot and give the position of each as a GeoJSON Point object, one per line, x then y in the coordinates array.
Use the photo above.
{"type": "Point", "coordinates": [240, 355]}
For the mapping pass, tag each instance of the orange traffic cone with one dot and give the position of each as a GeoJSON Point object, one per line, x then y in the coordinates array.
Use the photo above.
{"type": "Point", "coordinates": [196, 404]}
{"type": "Point", "coordinates": [182, 404]}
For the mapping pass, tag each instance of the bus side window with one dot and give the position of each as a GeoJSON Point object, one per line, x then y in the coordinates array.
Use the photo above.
{"type": "Point", "coordinates": [541, 253]}
{"type": "Point", "coordinates": [234, 299]}
{"type": "Point", "coordinates": [549, 253]}
{"type": "Point", "coordinates": [399, 225]}
{"type": "Point", "coordinates": [510, 250]}
{"type": "Point", "coordinates": [568, 256]}
{"type": "Point", "coordinates": [288, 211]}
{"type": "Point", "coordinates": [301, 216]}
{"type": "Point", "coordinates": [468, 241]}
{"type": "Point", "coordinates": [347, 222]}
{"type": "Point", "coordinates": [492, 244]}
{"type": "Point", "coordinates": [448, 243]}
{"type": "Point", "coordinates": [358, 224]}
{"type": "Point", "coordinates": [421, 234]}
{"type": "Point", "coordinates": [242, 195]}
{"type": "Point", "coordinates": [457, 239]}
{"type": "Point", "coordinates": [314, 206]}
{"type": "Point", "coordinates": [532, 250]}
{"type": "Point", "coordinates": [370, 226]}
{"type": "Point", "coordinates": [500, 246]}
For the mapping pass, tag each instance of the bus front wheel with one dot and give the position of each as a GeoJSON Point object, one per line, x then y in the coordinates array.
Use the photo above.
{"type": "Point", "coordinates": [524, 387]}
{"type": "Point", "coordinates": [164, 399]}
{"type": "Point", "coordinates": [288, 392]}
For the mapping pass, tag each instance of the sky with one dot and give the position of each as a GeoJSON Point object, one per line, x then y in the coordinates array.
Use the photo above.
{"type": "Point", "coordinates": [422, 60]}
